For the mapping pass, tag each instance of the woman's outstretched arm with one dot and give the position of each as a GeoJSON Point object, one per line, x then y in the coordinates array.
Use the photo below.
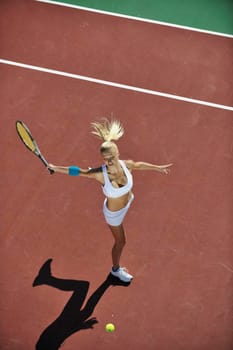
{"type": "Point", "coordinates": [165, 169]}
{"type": "Point", "coordinates": [76, 171]}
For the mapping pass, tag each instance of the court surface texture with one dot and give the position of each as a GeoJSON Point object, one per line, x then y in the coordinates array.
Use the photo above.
{"type": "Point", "coordinates": [62, 67]}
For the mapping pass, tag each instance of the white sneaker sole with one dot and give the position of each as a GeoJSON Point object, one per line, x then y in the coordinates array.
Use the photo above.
{"type": "Point", "coordinates": [122, 275]}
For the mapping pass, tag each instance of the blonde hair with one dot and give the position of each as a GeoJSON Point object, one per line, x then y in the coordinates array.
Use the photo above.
{"type": "Point", "coordinates": [108, 130]}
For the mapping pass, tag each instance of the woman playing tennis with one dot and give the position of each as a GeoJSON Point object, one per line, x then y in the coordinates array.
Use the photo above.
{"type": "Point", "coordinates": [115, 176]}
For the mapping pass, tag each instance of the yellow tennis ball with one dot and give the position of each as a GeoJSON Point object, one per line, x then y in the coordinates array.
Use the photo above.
{"type": "Point", "coordinates": [110, 327]}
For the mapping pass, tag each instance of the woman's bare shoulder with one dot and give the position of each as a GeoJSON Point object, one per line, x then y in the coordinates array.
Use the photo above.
{"type": "Point", "coordinates": [129, 163]}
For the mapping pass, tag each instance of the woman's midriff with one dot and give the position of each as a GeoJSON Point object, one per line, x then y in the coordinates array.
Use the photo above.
{"type": "Point", "coordinates": [115, 204]}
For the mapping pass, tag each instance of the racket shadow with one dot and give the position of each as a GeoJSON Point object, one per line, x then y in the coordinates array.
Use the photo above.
{"type": "Point", "coordinates": [73, 318]}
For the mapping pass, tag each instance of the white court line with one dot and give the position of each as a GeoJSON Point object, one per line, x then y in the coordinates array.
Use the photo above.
{"type": "Point", "coordinates": [116, 85]}
{"type": "Point", "coordinates": [135, 18]}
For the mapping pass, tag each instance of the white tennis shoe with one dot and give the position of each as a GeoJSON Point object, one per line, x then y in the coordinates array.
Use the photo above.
{"type": "Point", "coordinates": [122, 274]}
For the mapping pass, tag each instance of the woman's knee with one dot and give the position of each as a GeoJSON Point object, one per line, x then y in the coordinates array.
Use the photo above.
{"type": "Point", "coordinates": [120, 242]}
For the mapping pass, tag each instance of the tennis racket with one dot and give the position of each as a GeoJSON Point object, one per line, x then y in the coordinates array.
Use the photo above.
{"type": "Point", "coordinates": [26, 136]}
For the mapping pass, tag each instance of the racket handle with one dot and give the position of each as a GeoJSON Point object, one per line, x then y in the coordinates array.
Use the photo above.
{"type": "Point", "coordinates": [45, 163]}
{"type": "Point", "coordinates": [51, 171]}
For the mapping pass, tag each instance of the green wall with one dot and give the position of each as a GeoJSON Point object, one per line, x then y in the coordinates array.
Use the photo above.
{"type": "Point", "coordinates": [213, 15]}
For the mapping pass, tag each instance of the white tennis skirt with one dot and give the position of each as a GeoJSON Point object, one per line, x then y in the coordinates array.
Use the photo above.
{"type": "Point", "coordinates": [115, 218]}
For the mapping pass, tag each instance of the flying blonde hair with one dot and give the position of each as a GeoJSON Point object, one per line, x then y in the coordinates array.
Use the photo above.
{"type": "Point", "coordinates": [108, 130]}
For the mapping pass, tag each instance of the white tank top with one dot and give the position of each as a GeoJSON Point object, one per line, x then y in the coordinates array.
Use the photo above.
{"type": "Point", "coordinates": [113, 192]}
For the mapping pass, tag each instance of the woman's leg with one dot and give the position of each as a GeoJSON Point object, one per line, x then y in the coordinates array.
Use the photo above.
{"type": "Point", "coordinates": [120, 241]}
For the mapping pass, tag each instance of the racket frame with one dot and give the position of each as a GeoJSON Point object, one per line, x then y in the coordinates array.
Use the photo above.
{"type": "Point", "coordinates": [36, 151]}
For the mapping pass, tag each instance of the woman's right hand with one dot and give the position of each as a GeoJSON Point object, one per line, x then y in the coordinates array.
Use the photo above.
{"type": "Point", "coordinates": [58, 169]}
{"type": "Point", "coordinates": [51, 167]}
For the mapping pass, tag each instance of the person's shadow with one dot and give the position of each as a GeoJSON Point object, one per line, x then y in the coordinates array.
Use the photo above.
{"type": "Point", "coordinates": [73, 318]}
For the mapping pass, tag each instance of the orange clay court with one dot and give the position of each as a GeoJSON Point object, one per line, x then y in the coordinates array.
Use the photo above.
{"type": "Point", "coordinates": [179, 228]}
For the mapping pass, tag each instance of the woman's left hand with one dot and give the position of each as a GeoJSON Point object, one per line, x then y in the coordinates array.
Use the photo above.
{"type": "Point", "coordinates": [164, 169]}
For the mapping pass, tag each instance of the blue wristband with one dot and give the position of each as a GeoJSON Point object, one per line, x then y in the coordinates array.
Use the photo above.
{"type": "Point", "coordinates": [74, 170]}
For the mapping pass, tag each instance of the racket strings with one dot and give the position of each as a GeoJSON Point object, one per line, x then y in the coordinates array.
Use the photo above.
{"type": "Point", "coordinates": [25, 136]}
